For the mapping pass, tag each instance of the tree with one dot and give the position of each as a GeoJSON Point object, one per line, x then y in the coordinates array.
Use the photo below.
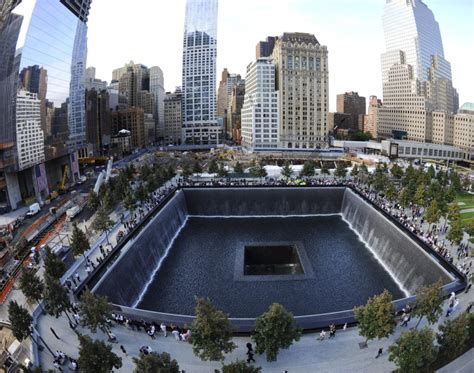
{"type": "Point", "coordinates": [155, 363]}
{"type": "Point", "coordinates": [454, 212]}
{"type": "Point", "coordinates": [145, 173]}
{"type": "Point", "coordinates": [455, 180]}
{"type": "Point", "coordinates": [53, 266]}
{"type": "Point", "coordinates": [275, 330]}
{"type": "Point", "coordinates": [93, 201]}
{"type": "Point", "coordinates": [325, 169]}
{"type": "Point", "coordinates": [420, 195]}
{"type": "Point", "coordinates": [258, 171]}
{"type": "Point", "coordinates": [186, 172]}
{"type": "Point", "coordinates": [20, 320]}
{"type": "Point", "coordinates": [340, 170]}
{"type": "Point", "coordinates": [109, 200]}
{"type": "Point", "coordinates": [453, 338]}
{"type": "Point", "coordinates": [413, 350]}
{"type": "Point", "coordinates": [308, 169]}
{"type": "Point", "coordinates": [433, 212]}
{"type": "Point", "coordinates": [456, 232]}
{"type": "Point", "coordinates": [102, 223]}
{"type": "Point", "coordinates": [355, 170]}
{"type": "Point", "coordinates": [96, 356]}
{"type": "Point", "coordinates": [140, 193]}
{"type": "Point", "coordinates": [222, 172]}
{"type": "Point", "coordinates": [129, 200]}
{"type": "Point", "coordinates": [240, 366]}
{"type": "Point", "coordinates": [197, 169]}
{"type": "Point", "coordinates": [238, 169]}
{"type": "Point", "coordinates": [396, 171]}
{"type": "Point", "coordinates": [56, 297]}
{"type": "Point", "coordinates": [429, 303]}
{"type": "Point", "coordinates": [212, 332]}
{"type": "Point", "coordinates": [79, 241]}
{"type": "Point", "coordinates": [377, 318]}
{"type": "Point", "coordinates": [213, 167]}
{"type": "Point", "coordinates": [31, 286]}
{"type": "Point", "coordinates": [391, 192]}
{"type": "Point", "coordinates": [94, 311]}
{"type": "Point", "coordinates": [286, 170]}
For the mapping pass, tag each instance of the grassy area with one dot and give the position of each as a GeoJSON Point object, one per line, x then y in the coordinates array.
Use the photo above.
{"type": "Point", "coordinates": [467, 202]}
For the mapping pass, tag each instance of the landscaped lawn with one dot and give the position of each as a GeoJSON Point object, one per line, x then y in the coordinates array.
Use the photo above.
{"type": "Point", "coordinates": [467, 202]}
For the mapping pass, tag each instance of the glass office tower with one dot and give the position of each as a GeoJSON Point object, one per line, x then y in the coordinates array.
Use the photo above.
{"type": "Point", "coordinates": [199, 74]}
{"type": "Point", "coordinates": [42, 59]}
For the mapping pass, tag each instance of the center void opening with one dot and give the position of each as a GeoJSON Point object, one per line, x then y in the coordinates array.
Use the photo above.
{"type": "Point", "coordinates": [268, 260]}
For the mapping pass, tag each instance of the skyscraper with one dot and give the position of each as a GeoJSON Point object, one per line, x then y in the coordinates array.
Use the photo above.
{"type": "Point", "coordinates": [157, 88]}
{"type": "Point", "coordinates": [38, 69]}
{"type": "Point", "coordinates": [353, 104]}
{"type": "Point", "coordinates": [199, 73]}
{"type": "Point", "coordinates": [416, 77]}
{"type": "Point", "coordinates": [303, 82]}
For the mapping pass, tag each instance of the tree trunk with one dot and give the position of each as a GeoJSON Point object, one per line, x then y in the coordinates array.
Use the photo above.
{"type": "Point", "coordinates": [418, 323]}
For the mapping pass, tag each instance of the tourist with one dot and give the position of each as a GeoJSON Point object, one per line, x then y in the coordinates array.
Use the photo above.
{"type": "Point", "coordinates": [123, 350]}
{"type": "Point", "coordinates": [405, 319]}
{"type": "Point", "coordinates": [175, 333]}
{"type": "Point", "coordinates": [322, 335]}
{"type": "Point", "coordinates": [250, 356]}
{"type": "Point", "coordinates": [146, 350]}
{"type": "Point", "coordinates": [78, 278]}
{"type": "Point", "coordinates": [163, 328]}
{"type": "Point", "coordinates": [112, 337]}
{"type": "Point", "coordinates": [151, 332]}
{"type": "Point", "coordinates": [185, 336]}
{"type": "Point", "coordinates": [468, 309]}
{"type": "Point", "coordinates": [379, 353]}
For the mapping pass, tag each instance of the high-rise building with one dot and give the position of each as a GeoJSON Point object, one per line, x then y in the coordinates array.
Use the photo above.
{"type": "Point", "coordinates": [157, 88]}
{"type": "Point", "coordinates": [265, 48]}
{"type": "Point", "coordinates": [303, 82]}
{"type": "Point", "coordinates": [416, 77]}
{"type": "Point", "coordinates": [98, 122]}
{"type": "Point", "coordinates": [133, 78]}
{"type": "Point", "coordinates": [260, 114]}
{"type": "Point", "coordinates": [173, 118]}
{"type": "Point", "coordinates": [199, 73]}
{"type": "Point", "coordinates": [371, 122]}
{"type": "Point", "coordinates": [224, 93]}
{"type": "Point", "coordinates": [340, 124]}
{"type": "Point", "coordinates": [463, 136]}
{"type": "Point", "coordinates": [91, 82]}
{"type": "Point", "coordinates": [353, 104]}
{"type": "Point", "coordinates": [234, 113]}
{"type": "Point", "coordinates": [133, 120]}
{"type": "Point", "coordinates": [33, 68]}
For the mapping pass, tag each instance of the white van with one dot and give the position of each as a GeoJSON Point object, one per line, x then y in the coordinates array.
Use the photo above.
{"type": "Point", "coordinates": [33, 209]}
{"type": "Point", "coordinates": [72, 212]}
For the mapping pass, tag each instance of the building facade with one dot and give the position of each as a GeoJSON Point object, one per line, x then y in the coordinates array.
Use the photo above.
{"type": "Point", "coordinates": [173, 118]}
{"type": "Point", "coordinates": [353, 104]}
{"type": "Point", "coordinates": [303, 82]}
{"type": "Point", "coordinates": [416, 78]}
{"type": "Point", "coordinates": [260, 114]}
{"type": "Point", "coordinates": [265, 48]}
{"type": "Point", "coordinates": [91, 82]}
{"type": "Point", "coordinates": [133, 120]}
{"type": "Point", "coordinates": [234, 113]}
{"type": "Point", "coordinates": [199, 74]}
{"type": "Point", "coordinates": [371, 120]}
{"type": "Point", "coordinates": [224, 95]}
{"type": "Point", "coordinates": [31, 71]}
{"type": "Point", "coordinates": [157, 88]}
{"type": "Point", "coordinates": [98, 122]}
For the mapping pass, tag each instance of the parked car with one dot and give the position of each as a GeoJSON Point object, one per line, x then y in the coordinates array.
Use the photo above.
{"type": "Point", "coordinates": [73, 212]}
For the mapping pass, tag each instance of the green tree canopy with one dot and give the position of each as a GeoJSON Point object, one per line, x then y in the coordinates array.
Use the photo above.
{"type": "Point", "coordinates": [258, 171]}
{"type": "Point", "coordinates": [275, 330]}
{"type": "Point", "coordinates": [93, 201]}
{"type": "Point", "coordinates": [79, 241]}
{"type": "Point", "coordinates": [186, 171]}
{"type": "Point", "coordinates": [453, 338]}
{"type": "Point", "coordinates": [429, 302]}
{"type": "Point", "coordinates": [433, 212]}
{"type": "Point", "coordinates": [102, 223]}
{"type": "Point", "coordinates": [377, 318]}
{"type": "Point", "coordinates": [325, 169]}
{"type": "Point", "coordinates": [355, 170]}
{"type": "Point", "coordinates": [286, 170]}
{"type": "Point", "coordinates": [20, 320]}
{"type": "Point", "coordinates": [140, 193]}
{"type": "Point", "coordinates": [420, 195]}
{"type": "Point", "coordinates": [213, 167]}
{"type": "Point", "coordinates": [211, 332]}
{"type": "Point", "coordinates": [31, 286]}
{"type": "Point", "coordinates": [456, 232]}
{"type": "Point", "coordinates": [53, 266]}
{"type": "Point", "coordinates": [308, 169]}
{"type": "Point", "coordinates": [197, 169]}
{"type": "Point", "coordinates": [413, 351]}
{"type": "Point", "coordinates": [240, 366]}
{"type": "Point", "coordinates": [222, 172]}
{"type": "Point", "coordinates": [96, 356]}
{"type": "Point", "coordinates": [340, 170]}
{"type": "Point", "coordinates": [454, 212]}
{"type": "Point", "coordinates": [155, 363]}
{"type": "Point", "coordinates": [56, 297]}
{"type": "Point", "coordinates": [238, 169]}
{"type": "Point", "coordinates": [396, 171]}
{"type": "Point", "coordinates": [129, 200]}
{"type": "Point", "coordinates": [94, 311]}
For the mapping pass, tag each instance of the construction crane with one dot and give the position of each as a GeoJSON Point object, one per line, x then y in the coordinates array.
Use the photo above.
{"type": "Point", "coordinates": [62, 183]}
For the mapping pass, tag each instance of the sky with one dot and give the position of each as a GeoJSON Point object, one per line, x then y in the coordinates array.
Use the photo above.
{"type": "Point", "coordinates": [150, 32]}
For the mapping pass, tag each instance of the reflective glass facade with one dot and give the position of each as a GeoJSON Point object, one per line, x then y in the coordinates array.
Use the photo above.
{"type": "Point", "coordinates": [199, 73]}
{"type": "Point", "coordinates": [43, 46]}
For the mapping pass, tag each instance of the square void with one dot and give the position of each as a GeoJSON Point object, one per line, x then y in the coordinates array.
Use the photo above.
{"type": "Point", "coordinates": [272, 260]}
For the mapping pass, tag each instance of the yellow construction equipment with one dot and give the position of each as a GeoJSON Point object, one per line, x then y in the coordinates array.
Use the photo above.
{"type": "Point", "coordinates": [62, 183]}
